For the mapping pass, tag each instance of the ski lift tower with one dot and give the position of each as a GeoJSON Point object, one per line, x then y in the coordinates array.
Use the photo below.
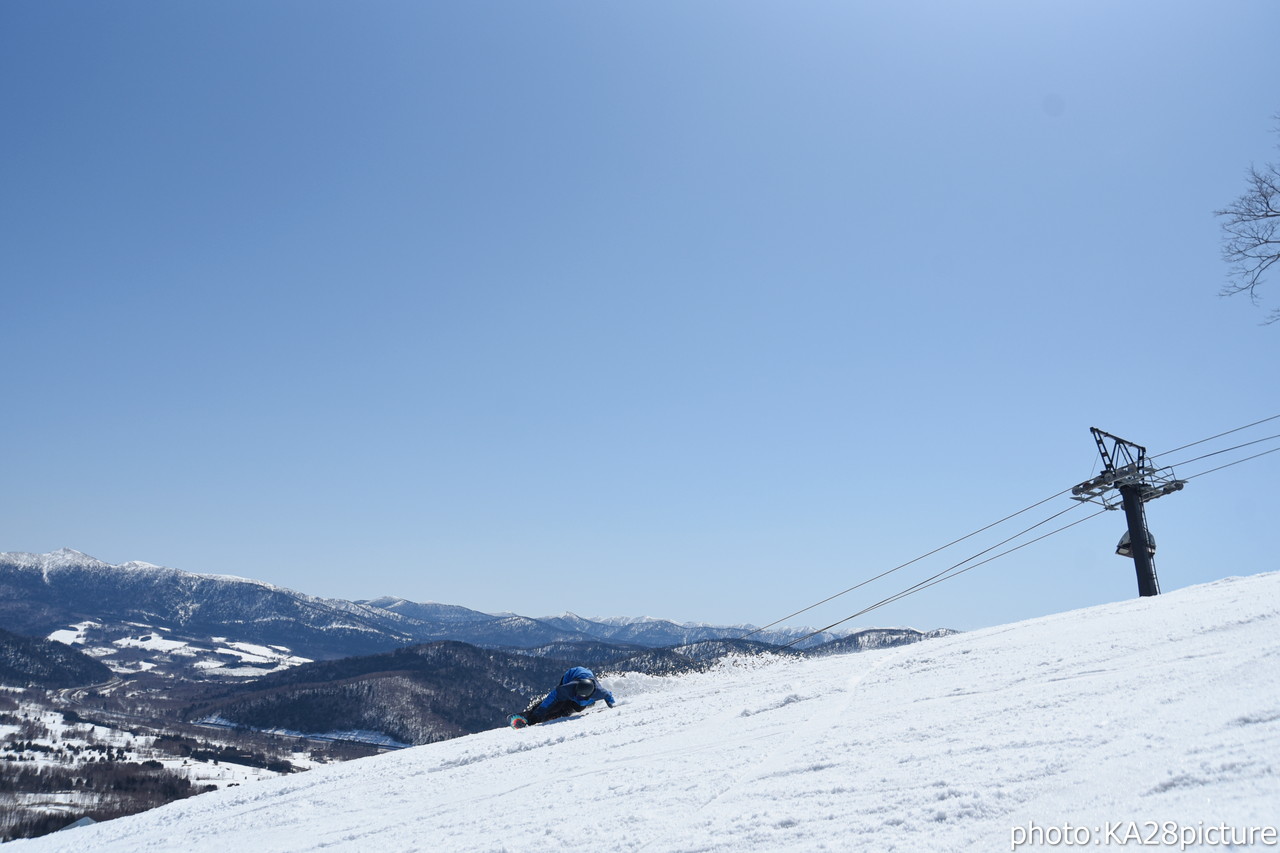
{"type": "Point", "coordinates": [1127, 471]}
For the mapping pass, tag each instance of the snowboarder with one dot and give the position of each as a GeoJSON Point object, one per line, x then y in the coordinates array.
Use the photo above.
{"type": "Point", "coordinates": [578, 689]}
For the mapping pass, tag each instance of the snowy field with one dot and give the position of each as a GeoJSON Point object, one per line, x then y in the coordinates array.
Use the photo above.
{"type": "Point", "coordinates": [220, 657]}
{"type": "Point", "coordinates": [134, 748]}
{"type": "Point", "coordinates": [1154, 720]}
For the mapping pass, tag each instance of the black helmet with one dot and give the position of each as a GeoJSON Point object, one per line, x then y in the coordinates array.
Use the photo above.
{"type": "Point", "coordinates": [584, 687]}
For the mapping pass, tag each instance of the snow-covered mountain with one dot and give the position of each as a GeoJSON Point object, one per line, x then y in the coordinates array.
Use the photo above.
{"type": "Point", "coordinates": [138, 615]}
{"type": "Point", "coordinates": [648, 631]}
{"type": "Point", "coordinates": [44, 593]}
{"type": "Point", "coordinates": [1149, 718]}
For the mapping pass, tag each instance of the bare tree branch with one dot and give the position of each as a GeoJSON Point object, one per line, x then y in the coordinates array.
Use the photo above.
{"type": "Point", "coordinates": [1251, 242]}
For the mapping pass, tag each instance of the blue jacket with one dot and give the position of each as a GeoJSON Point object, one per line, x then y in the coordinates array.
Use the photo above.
{"type": "Point", "coordinates": [564, 691]}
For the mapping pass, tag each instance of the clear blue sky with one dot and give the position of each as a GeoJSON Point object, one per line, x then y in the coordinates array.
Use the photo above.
{"type": "Point", "coordinates": [694, 310]}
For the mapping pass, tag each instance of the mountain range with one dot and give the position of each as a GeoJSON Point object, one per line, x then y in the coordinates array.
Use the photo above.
{"type": "Point", "coordinates": [231, 651]}
{"type": "Point", "coordinates": [218, 625]}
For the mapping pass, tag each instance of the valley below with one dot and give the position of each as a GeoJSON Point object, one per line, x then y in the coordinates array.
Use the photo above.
{"type": "Point", "coordinates": [123, 687]}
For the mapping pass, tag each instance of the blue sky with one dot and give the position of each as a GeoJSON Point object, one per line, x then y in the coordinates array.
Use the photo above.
{"type": "Point", "coordinates": [695, 310]}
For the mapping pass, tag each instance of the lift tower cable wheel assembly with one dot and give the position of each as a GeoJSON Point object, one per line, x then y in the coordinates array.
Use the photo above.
{"type": "Point", "coordinates": [1128, 480]}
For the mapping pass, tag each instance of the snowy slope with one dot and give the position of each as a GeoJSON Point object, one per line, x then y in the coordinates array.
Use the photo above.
{"type": "Point", "coordinates": [1164, 709]}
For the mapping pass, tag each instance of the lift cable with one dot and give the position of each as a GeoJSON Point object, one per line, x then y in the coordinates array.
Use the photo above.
{"type": "Point", "coordinates": [951, 572]}
{"type": "Point", "coordinates": [1229, 464]}
{"type": "Point", "coordinates": [907, 563]}
{"type": "Point", "coordinates": [1228, 450]}
{"type": "Point", "coordinates": [1219, 435]}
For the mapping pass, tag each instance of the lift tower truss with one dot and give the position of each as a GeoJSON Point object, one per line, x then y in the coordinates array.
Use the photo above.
{"type": "Point", "coordinates": [1128, 480]}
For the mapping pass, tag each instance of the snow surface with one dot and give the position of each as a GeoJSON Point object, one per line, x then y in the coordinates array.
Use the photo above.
{"type": "Point", "coordinates": [156, 643]}
{"type": "Point", "coordinates": [75, 635]}
{"type": "Point", "coordinates": [228, 659]}
{"type": "Point", "coordinates": [136, 747]}
{"type": "Point", "coordinates": [1160, 709]}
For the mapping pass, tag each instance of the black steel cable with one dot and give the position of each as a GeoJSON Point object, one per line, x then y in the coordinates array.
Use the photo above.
{"type": "Point", "coordinates": [1229, 464]}
{"type": "Point", "coordinates": [1227, 450]}
{"type": "Point", "coordinates": [1212, 437]}
{"type": "Point", "coordinates": [950, 571]}
{"type": "Point", "coordinates": [904, 565]}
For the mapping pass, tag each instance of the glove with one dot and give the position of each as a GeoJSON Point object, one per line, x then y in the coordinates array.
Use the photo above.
{"type": "Point", "coordinates": [610, 704]}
